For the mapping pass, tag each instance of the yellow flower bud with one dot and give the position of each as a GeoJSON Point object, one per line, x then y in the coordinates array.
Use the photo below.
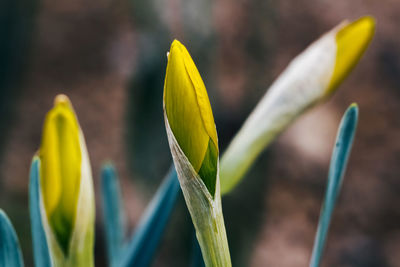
{"type": "Point", "coordinates": [311, 77]}
{"type": "Point", "coordinates": [351, 40]}
{"type": "Point", "coordinates": [60, 156]}
{"type": "Point", "coordinates": [189, 114]}
{"type": "Point", "coordinates": [192, 138]}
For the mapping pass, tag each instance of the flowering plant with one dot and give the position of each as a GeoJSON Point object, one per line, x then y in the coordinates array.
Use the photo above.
{"type": "Point", "coordinates": [61, 194]}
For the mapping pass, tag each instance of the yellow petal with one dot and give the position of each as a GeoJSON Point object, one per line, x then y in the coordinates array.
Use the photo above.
{"type": "Point", "coordinates": [351, 40]}
{"type": "Point", "coordinates": [60, 156]}
{"type": "Point", "coordinates": [189, 114]}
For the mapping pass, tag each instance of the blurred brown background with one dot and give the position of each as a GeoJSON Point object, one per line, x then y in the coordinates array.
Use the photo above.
{"type": "Point", "coordinates": [109, 57]}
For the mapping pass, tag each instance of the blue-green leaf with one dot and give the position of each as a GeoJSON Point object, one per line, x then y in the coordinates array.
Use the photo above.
{"type": "Point", "coordinates": [10, 252]}
{"type": "Point", "coordinates": [340, 155]}
{"type": "Point", "coordinates": [113, 214]}
{"type": "Point", "coordinates": [39, 242]}
{"type": "Point", "coordinates": [141, 248]}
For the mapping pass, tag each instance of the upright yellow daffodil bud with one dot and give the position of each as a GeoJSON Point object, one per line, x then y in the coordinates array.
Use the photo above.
{"type": "Point", "coordinates": [60, 155]}
{"type": "Point", "coordinates": [66, 187]}
{"type": "Point", "coordinates": [193, 142]}
{"type": "Point", "coordinates": [189, 114]}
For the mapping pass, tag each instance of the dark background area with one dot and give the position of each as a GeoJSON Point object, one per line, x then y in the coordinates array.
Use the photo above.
{"type": "Point", "coordinates": [109, 57]}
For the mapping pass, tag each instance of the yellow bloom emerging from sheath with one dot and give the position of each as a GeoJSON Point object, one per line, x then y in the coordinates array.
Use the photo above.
{"type": "Point", "coordinates": [192, 138]}
{"type": "Point", "coordinates": [60, 155]}
{"type": "Point", "coordinates": [309, 78]}
{"type": "Point", "coordinates": [189, 114]}
{"type": "Point", "coordinates": [351, 40]}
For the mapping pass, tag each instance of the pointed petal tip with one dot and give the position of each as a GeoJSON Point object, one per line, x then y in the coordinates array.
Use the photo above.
{"type": "Point", "coordinates": [368, 22]}
{"type": "Point", "coordinates": [352, 39]}
{"type": "Point", "coordinates": [177, 50]}
{"type": "Point", "coordinates": [61, 99]}
{"type": "Point", "coordinates": [176, 43]}
{"type": "Point", "coordinates": [356, 34]}
{"type": "Point", "coordinates": [365, 24]}
{"type": "Point", "coordinates": [176, 47]}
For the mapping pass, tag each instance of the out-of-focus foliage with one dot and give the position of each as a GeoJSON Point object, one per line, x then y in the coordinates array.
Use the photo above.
{"type": "Point", "coordinates": [41, 251]}
{"type": "Point", "coordinates": [10, 252]}
{"type": "Point", "coordinates": [340, 156]}
{"type": "Point", "coordinates": [66, 195]}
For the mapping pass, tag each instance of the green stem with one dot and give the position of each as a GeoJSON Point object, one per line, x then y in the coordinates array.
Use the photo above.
{"type": "Point", "coordinates": [205, 209]}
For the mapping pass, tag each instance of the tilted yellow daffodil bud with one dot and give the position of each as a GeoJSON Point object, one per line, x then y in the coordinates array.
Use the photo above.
{"type": "Point", "coordinates": [311, 77]}
{"type": "Point", "coordinates": [66, 187]}
{"type": "Point", "coordinates": [192, 138]}
{"type": "Point", "coordinates": [189, 114]}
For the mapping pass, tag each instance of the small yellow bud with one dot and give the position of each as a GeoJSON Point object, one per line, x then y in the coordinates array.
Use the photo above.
{"type": "Point", "coordinates": [60, 155]}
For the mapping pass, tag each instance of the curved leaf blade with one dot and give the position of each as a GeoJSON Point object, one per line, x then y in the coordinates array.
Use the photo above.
{"type": "Point", "coordinates": [113, 214]}
{"type": "Point", "coordinates": [337, 168]}
{"type": "Point", "coordinates": [39, 242]}
{"type": "Point", "coordinates": [10, 252]}
{"type": "Point", "coordinates": [141, 248]}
